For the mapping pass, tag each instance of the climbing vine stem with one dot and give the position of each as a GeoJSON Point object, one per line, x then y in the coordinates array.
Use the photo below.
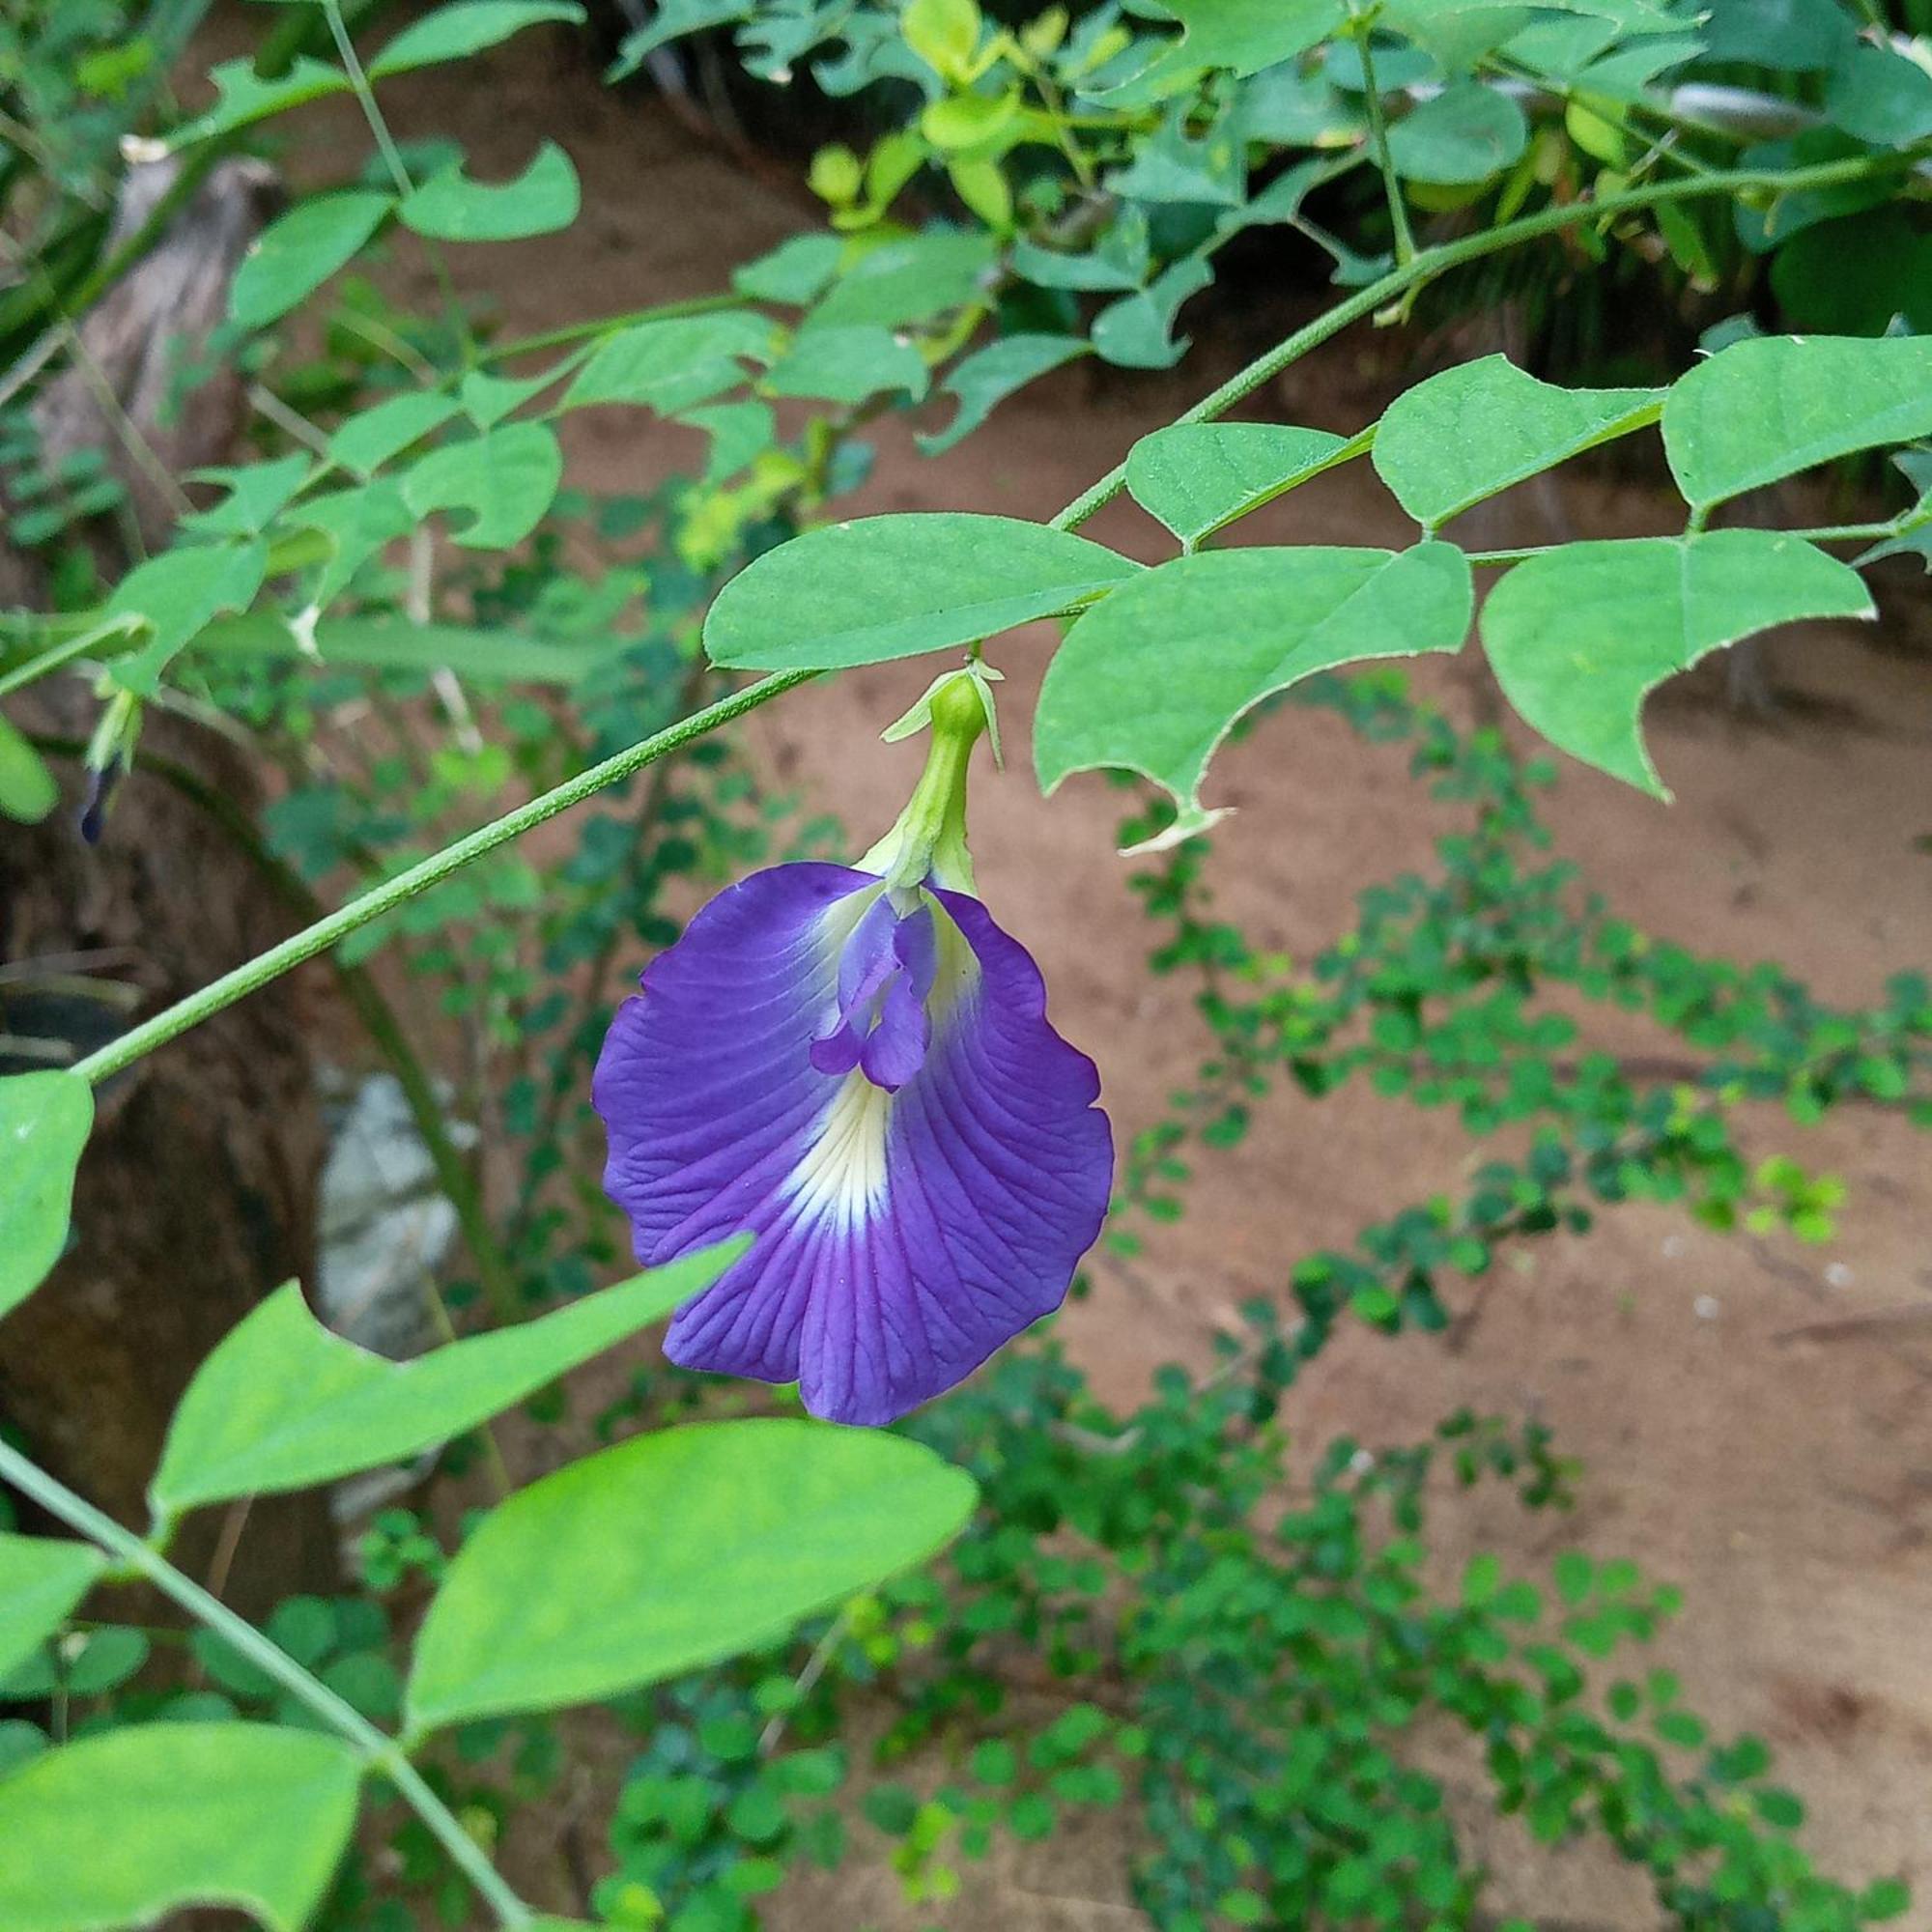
{"type": "Point", "coordinates": [382, 1753]}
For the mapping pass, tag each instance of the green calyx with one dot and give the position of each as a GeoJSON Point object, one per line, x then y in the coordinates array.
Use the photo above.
{"type": "Point", "coordinates": [927, 842]}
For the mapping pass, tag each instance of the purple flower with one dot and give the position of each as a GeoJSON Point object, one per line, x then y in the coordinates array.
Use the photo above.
{"type": "Point", "coordinates": [859, 1071]}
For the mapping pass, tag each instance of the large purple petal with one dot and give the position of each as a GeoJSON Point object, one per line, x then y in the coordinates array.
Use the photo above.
{"type": "Point", "coordinates": [709, 1096]}
{"type": "Point", "coordinates": [903, 1235]}
{"type": "Point", "coordinates": [998, 1167]}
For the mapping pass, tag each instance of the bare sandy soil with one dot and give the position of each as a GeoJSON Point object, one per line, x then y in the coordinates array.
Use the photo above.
{"type": "Point", "coordinates": [1752, 1415]}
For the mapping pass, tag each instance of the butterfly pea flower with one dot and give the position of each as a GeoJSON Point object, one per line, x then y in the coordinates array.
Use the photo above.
{"type": "Point", "coordinates": [854, 1064]}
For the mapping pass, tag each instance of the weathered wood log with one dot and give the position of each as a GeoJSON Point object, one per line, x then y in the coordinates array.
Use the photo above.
{"type": "Point", "coordinates": [142, 363]}
{"type": "Point", "coordinates": [198, 1194]}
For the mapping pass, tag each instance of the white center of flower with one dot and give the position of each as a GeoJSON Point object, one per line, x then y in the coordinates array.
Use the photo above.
{"type": "Point", "coordinates": [843, 1171]}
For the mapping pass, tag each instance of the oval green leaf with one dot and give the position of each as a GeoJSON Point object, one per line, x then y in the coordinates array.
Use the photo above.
{"type": "Point", "coordinates": [987, 376]}
{"type": "Point", "coordinates": [1579, 636]}
{"type": "Point", "coordinates": [283, 1403]}
{"type": "Point", "coordinates": [371, 436]}
{"type": "Point", "coordinates": [27, 789]}
{"type": "Point", "coordinates": [669, 1551]}
{"type": "Point", "coordinates": [847, 364]}
{"type": "Point", "coordinates": [1154, 678]}
{"type": "Point", "coordinates": [243, 96]}
{"type": "Point", "coordinates": [894, 586]}
{"type": "Point", "coordinates": [45, 1120]}
{"type": "Point", "coordinates": [455, 33]}
{"type": "Point", "coordinates": [449, 207]}
{"type": "Point", "coordinates": [41, 1579]}
{"type": "Point", "coordinates": [910, 279]}
{"type": "Point", "coordinates": [674, 363]}
{"type": "Point", "coordinates": [1482, 426]}
{"type": "Point", "coordinates": [125, 1825]}
{"type": "Point", "coordinates": [1773, 405]}
{"type": "Point", "coordinates": [296, 254]}
{"type": "Point", "coordinates": [507, 479]}
{"type": "Point", "coordinates": [1199, 477]}
{"type": "Point", "coordinates": [177, 595]}
{"type": "Point", "coordinates": [1466, 134]}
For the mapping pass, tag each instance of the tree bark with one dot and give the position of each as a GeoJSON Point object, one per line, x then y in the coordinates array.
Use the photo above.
{"type": "Point", "coordinates": [197, 1193]}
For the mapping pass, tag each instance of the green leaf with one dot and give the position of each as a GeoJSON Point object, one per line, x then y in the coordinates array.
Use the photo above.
{"type": "Point", "coordinates": [506, 478]}
{"type": "Point", "coordinates": [455, 33]}
{"type": "Point", "coordinates": [912, 279]}
{"type": "Point", "coordinates": [45, 1120]}
{"type": "Point", "coordinates": [847, 364]}
{"type": "Point", "coordinates": [371, 436]}
{"type": "Point", "coordinates": [27, 789]}
{"type": "Point", "coordinates": [672, 364]}
{"type": "Point", "coordinates": [1154, 678]}
{"type": "Point", "coordinates": [1885, 1898]}
{"type": "Point", "coordinates": [1198, 477]}
{"type": "Point", "coordinates": [40, 1582]}
{"type": "Point", "coordinates": [487, 398]}
{"type": "Point", "coordinates": [1574, 1574]}
{"type": "Point", "coordinates": [795, 273]}
{"type": "Point", "coordinates": [671, 19]}
{"type": "Point", "coordinates": [243, 98]}
{"type": "Point", "coordinates": [1478, 428]}
{"type": "Point", "coordinates": [1242, 36]}
{"type": "Point", "coordinates": [675, 1549]}
{"type": "Point", "coordinates": [177, 595]}
{"type": "Point", "coordinates": [739, 432]}
{"type": "Point", "coordinates": [1579, 636]}
{"type": "Point", "coordinates": [1466, 134]}
{"type": "Point", "coordinates": [1915, 465]}
{"type": "Point", "coordinates": [1137, 332]}
{"type": "Point", "coordinates": [297, 253]}
{"type": "Point", "coordinates": [256, 492]}
{"type": "Point", "coordinates": [1119, 260]}
{"type": "Point", "coordinates": [246, 1816]}
{"type": "Point", "coordinates": [1458, 33]}
{"type": "Point", "coordinates": [1857, 274]}
{"type": "Point", "coordinates": [1174, 167]}
{"type": "Point", "coordinates": [282, 1404]}
{"type": "Point", "coordinates": [451, 207]}
{"type": "Point", "coordinates": [105, 1661]}
{"type": "Point", "coordinates": [987, 376]}
{"type": "Point", "coordinates": [1482, 1579]}
{"type": "Point", "coordinates": [358, 522]}
{"type": "Point", "coordinates": [894, 586]}
{"type": "Point", "coordinates": [944, 34]}
{"type": "Point", "coordinates": [1880, 96]}
{"type": "Point", "coordinates": [1794, 34]}
{"type": "Point", "coordinates": [1774, 404]}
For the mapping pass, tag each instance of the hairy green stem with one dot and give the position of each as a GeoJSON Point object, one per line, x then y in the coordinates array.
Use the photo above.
{"type": "Point", "coordinates": [418, 878]}
{"type": "Point", "coordinates": [382, 1753]}
{"type": "Point", "coordinates": [1899, 526]}
{"type": "Point", "coordinates": [582, 331]}
{"type": "Point", "coordinates": [365, 96]}
{"type": "Point", "coordinates": [399, 173]}
{"type": "Point", "coordinates": [597, 970]}
{"type": "Point", "coordinates": [1371, 101]}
